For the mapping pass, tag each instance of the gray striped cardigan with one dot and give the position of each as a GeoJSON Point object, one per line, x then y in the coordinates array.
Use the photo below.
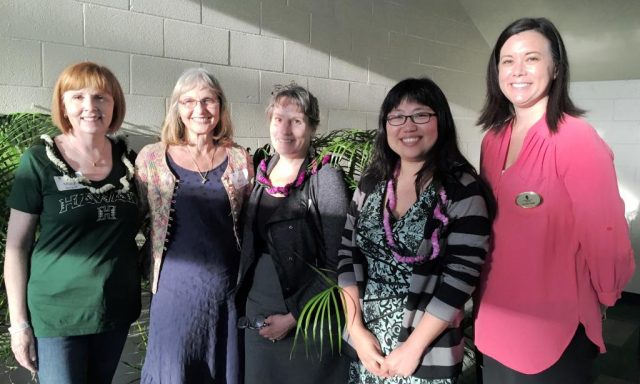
{"type": "Point", "coordinates": [440, 287]}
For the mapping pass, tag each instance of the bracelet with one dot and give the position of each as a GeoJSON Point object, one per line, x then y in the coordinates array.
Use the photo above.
{"type": "Point", "coordinates": [19, 327]}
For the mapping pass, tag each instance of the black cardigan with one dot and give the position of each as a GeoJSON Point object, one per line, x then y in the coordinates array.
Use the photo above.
{"type": "Point", "coordinates": [305, 229]}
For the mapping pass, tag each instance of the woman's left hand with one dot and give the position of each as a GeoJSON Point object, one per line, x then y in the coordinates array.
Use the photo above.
{"type": "Point", "coordinates": [278, 326]}
{"type": "Point", "coordinates": [402, 361]}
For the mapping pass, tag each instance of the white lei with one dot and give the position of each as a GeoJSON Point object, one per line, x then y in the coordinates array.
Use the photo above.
{"type": "Point", "coordinates": [80, 179]}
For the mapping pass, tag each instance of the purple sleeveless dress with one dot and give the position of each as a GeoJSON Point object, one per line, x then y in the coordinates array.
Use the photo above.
{"type": "Point", "coordinates": [192, 331]}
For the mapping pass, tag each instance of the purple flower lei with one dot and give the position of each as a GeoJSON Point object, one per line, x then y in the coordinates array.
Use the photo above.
{"type": "Point", "coordinates": [264, 180]}
{"type": "Point", "coordinates": [392, 201]}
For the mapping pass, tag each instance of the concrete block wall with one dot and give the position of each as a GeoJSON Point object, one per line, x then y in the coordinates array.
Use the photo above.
{"type": "Point", "coordinates": [613, 108]}
{"type": "Point", "coordinates": [348, 52]}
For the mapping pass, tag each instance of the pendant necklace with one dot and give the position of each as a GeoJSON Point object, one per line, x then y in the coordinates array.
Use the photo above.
{"type": "Point", "coordinates": [87, 156]}
{"type": "Point", "coordinates": [203, 175]}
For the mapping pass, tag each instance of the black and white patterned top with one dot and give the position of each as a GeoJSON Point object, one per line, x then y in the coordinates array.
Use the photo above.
{"type": "Point", "coordinates": [441, 286]}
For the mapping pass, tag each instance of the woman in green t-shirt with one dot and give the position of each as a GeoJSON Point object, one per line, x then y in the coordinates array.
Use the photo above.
{"type": "Point", "coordinates": [74, 288]}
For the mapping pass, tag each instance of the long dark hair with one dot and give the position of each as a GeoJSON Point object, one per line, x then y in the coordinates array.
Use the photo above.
{"type": "Point", "coordinates": [497, 110]}
{"type": "Point", "coordinates": [444, 160]}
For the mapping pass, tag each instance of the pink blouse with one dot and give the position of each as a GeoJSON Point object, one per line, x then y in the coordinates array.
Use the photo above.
{"type": "Point", "coordinates": [553, 264]}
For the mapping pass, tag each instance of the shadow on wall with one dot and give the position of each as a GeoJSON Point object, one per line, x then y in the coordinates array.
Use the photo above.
{"type": "Point", "coordinates": [366, 41]}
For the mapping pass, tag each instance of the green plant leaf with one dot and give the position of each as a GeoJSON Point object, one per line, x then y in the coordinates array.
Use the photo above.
{"type": "Point", "coordinates": [300, 327]}
{"type": "Point", "coordinates": [328, 316]}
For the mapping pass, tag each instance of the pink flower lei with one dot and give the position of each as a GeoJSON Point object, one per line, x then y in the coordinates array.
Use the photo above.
{"type": "Point", "coordinates": [392, 201]}
{"type": "Point", "coordinates": [264, 180]}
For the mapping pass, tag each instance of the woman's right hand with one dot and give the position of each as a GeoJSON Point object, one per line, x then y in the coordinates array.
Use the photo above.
{"type": "Point", "coordinates": [20, 239]}
{"type": "Point", "coordinates": [24, 349]}
{"type": "Point", "coordinates": [368, 348]}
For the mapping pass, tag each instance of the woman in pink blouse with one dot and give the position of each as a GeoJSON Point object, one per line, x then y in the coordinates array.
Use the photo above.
{"type": "Point", "coordinates": [561, 249]}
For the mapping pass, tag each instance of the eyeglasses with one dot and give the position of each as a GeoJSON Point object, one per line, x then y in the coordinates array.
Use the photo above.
{"type": "Point", "coordinates": [256, 322]}
{"type": "Point", "coordinates": [207, 102]}
{"type": "Point", "coordinates": [417, 118]}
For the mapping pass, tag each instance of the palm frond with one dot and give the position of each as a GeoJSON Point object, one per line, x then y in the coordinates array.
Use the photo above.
{"type": "Point", "coordinates": [18, 131]}
{"type": "Point", "coordinates": [349, 149]}
{"type": "Point", "coordinates": [318, 315]}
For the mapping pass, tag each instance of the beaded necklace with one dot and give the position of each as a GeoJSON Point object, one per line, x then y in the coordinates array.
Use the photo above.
{"type": "Point", "coordinates": [263, 179]}
{"type": "Point", "coordinates": [438, 214]}
{"type": "Point", "coordinates": [80, 179]}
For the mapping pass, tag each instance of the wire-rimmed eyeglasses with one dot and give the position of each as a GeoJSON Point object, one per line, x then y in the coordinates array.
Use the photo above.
{"type": "Point", "coordinates": [417, 118]}
{"type": "Point", "coordinates": [207, 102]}
{"type": "Point", "coordinates": [255, 322]}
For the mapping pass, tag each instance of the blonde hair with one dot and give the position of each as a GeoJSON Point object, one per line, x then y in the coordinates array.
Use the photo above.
{"type": "Point", "coordinates": [173, 129]}
{"type": "Point", "coordinates": [87, 75]}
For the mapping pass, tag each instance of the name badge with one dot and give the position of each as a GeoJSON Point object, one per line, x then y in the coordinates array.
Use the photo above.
{"type": "Point", "coordinates": [240, 178]}
{"type": "Point", "coordinates": [66, 185]}
{"type": "Point", "coordinates": [528, 200]}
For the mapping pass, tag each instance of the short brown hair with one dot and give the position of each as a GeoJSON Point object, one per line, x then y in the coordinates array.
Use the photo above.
{"type": "Point", "coordinates": [293, 93]}
{"type": "Point", "coordinates": [173, 129]}
{"type": "Point", "coordinates": [87, 75]}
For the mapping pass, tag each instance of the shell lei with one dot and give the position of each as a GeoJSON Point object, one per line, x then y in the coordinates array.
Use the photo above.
{"type": "Point", "coordinates": [80, 179]}
{"type": "Point", "coordinates": [435, 235]}
{"type": "Point", "coordinates": [264, 180]}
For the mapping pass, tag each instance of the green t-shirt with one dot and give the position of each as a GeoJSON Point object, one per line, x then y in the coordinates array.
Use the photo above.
{"type": "Point", "coordinates": [83, 275]}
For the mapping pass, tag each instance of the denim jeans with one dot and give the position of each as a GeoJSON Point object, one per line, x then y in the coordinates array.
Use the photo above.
{"type": "Point", "coordinates": [80, 359]}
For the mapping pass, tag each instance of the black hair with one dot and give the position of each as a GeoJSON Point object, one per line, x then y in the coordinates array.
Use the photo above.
{"type": "Point", "coordinates": [444, 160]}
{"type": "Point", "coordinates": [497, 110]}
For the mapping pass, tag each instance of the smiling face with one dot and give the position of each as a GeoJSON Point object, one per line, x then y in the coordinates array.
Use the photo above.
{"type": "Point", "coordinates": [412, 141]}
{"type": "Point", "coordinates": [290, 131]}
{"type": "Point", "coordinates": [88, 110]}
{"type": "Point", "coordinates": [199, 111]}
{"type": "Point", "coordinates": [526, 69]}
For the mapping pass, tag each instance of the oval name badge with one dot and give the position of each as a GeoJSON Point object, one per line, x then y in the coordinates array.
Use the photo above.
{"type": "Point", "coordinates": [528, 199]}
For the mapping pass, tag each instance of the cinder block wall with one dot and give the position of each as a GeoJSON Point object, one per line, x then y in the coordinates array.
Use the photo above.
{"type": "Point", "coordinates": [347, 52]}
{"type": "Point", "coordinates": [613, 108]}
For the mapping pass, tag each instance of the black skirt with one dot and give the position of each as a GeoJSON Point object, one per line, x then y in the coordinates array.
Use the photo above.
{"type": "Point", "coordinates": [279, 363]}
{"type": "Point", "coordinates": [574, 367]}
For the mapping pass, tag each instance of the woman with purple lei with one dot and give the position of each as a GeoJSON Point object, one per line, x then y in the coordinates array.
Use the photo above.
{"type": "Point", "coordinates": [415, 238]}
{"type": "Point", "coordinates": [292, 226]}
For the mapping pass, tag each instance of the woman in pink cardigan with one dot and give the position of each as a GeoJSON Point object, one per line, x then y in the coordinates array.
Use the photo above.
{"type": "Point", "coordinates": [561, 248]}
{"type": "Point", "coordinates": [195, 182]}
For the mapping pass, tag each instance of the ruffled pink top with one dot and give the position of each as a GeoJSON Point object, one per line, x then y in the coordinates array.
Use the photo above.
{"type": "Point", "coordinates": [551, 265]}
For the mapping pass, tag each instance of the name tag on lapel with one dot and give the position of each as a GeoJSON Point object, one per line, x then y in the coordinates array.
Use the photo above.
{"type": "Point", "coordinates": [240, 178]}
{"type": "Point", "coordinates": [66, 185]}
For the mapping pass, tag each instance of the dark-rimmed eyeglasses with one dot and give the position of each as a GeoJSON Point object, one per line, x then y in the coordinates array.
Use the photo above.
{"type": "Point", "coordinates": [207, 102]}
{"type": "Point", "coordinates": [417, 118]}
{"type": "Point", "coordinates": [255, 322]}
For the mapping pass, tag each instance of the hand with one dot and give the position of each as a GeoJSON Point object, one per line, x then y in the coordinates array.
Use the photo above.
{"type": "Point", "coordinates": [368, 348]}
{"type": "Point", "coordinates": [402, 361]}
{"type": "Point", "coordinates": [24, 349]}
{"type": "Point", "coordinates": [277, 326]}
